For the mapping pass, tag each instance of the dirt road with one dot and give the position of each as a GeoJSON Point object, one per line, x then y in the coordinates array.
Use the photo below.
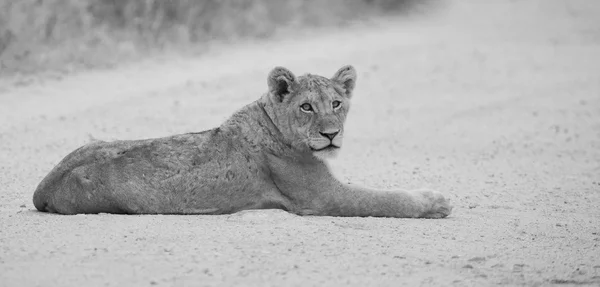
{"type": "Point", "coordinates": [496, 104]}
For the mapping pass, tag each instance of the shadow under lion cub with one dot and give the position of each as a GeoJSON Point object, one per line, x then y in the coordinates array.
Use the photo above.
{"type": "Point", "coordinates": [269, 154]}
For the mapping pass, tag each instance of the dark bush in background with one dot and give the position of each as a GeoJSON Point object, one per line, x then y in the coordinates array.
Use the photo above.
{"type": "Point", "coordinates": [39, 34]}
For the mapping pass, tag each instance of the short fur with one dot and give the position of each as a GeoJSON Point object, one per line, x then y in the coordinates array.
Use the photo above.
{"type": "Point", "coordinates": [269, 154]}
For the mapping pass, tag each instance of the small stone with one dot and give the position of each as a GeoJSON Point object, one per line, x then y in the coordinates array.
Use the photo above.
{"type": "Point", "coordinates": [468, 266]}
{"type": "Point", "coordinates": [518, 267]}
{"type": "Point", "coordinates": [23, 206]}
{"type": "Point", "coordinates": [477, 259]}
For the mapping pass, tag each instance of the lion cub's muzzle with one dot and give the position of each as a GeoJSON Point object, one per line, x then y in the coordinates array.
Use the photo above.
{"type": "Point", "coordinates": [328, 140]}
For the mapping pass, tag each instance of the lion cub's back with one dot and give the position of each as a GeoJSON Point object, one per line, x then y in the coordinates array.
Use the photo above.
{"type": "Point", "coordinates": [105, 165]}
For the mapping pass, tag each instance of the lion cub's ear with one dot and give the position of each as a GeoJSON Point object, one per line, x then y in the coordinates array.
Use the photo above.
{"type": "Point", "coordinates": [280, 82]}
{"type": "Point", "coordinates": [346, 76]}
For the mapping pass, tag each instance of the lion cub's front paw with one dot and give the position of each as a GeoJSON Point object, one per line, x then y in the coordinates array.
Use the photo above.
{"type": "Point", "coordinates": [436, 205]}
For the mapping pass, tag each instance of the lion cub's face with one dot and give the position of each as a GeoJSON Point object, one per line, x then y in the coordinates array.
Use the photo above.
{"type": "Point", "coordinates": [311, 110]}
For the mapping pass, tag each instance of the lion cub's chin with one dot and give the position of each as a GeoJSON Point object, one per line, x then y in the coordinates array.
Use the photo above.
{"type": "Point", "coordinates": [328, 153]}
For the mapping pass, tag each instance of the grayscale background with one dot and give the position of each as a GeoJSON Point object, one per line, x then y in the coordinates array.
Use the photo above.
{"type": "Point", "coordinates": [495, 103]}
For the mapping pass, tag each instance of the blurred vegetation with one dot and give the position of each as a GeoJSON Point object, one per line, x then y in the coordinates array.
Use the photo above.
{"type": "Point", "coordinates": [41, 34]}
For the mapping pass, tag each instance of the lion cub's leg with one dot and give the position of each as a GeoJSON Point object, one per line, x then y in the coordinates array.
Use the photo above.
{"type": "Point", "coordinates": [351, 200]}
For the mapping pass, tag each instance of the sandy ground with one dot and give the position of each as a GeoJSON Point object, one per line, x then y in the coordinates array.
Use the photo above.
{"type": "Point", "coordinates": [495, 103]}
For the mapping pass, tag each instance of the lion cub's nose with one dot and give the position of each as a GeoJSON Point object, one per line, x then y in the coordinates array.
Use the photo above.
{"type": "Point", "coordinates": [330, 136]}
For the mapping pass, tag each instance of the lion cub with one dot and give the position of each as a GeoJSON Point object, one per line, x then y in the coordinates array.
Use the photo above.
{"type": "Point", "coordinates": [269, 154]}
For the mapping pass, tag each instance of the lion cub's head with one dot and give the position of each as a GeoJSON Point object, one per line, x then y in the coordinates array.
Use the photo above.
{"type": "Point", "coordinates": [310, 110]}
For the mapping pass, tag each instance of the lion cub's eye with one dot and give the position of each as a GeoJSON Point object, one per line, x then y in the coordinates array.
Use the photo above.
{"type": "Point", "coordinates": [336, 104]}
{"type": "Point", "coordinates": [306, 107]}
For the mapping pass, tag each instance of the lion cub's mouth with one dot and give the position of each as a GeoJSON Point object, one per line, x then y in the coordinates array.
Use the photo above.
{"type": "Point", "coordinates": [326, 148]}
